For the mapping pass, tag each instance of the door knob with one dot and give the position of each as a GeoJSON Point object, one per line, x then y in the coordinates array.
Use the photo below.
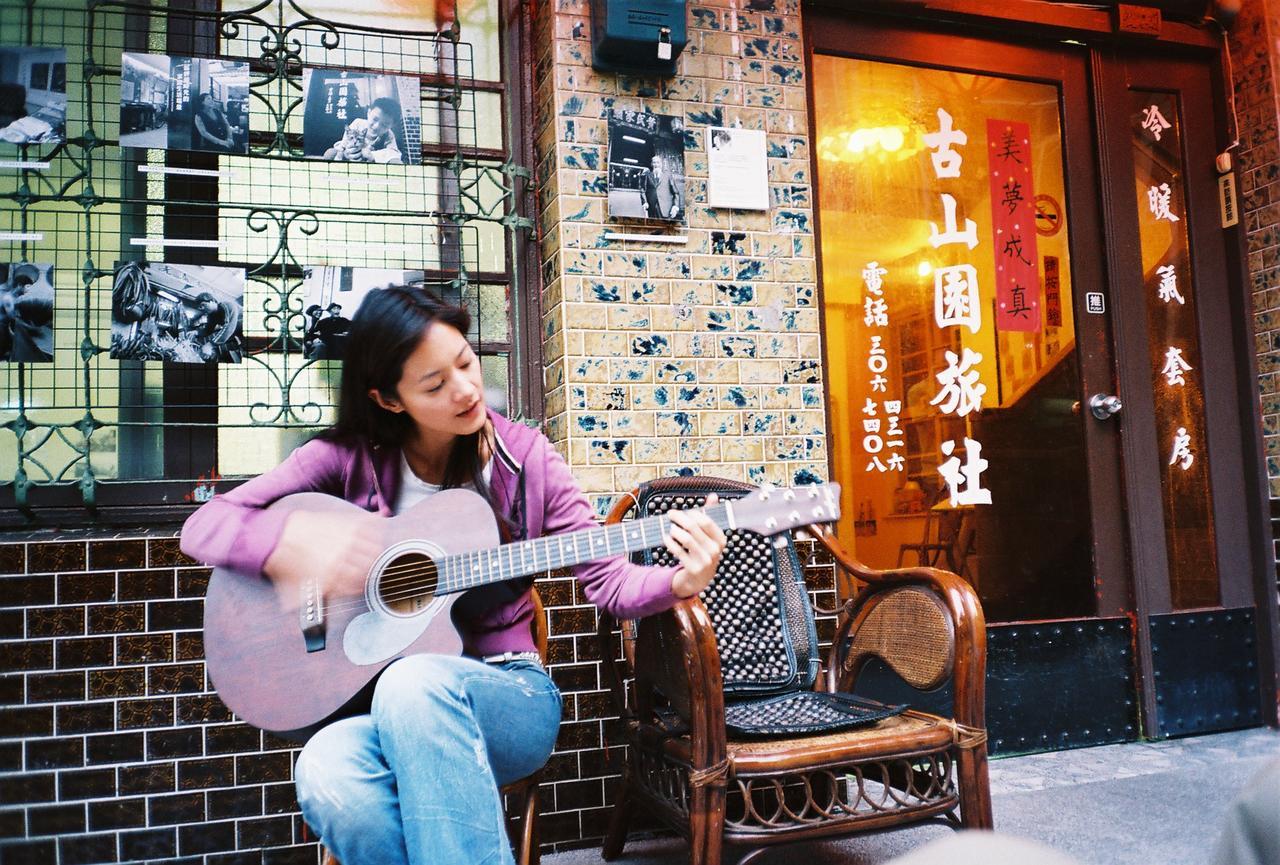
{"type": "Point", "coordinates": [1104, 405]}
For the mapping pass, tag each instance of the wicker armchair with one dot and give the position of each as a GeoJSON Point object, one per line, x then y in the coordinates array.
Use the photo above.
{"type": "Point", "coordinates": [521, 797]}
{"type": "Point", "coordinates": [715, 786]}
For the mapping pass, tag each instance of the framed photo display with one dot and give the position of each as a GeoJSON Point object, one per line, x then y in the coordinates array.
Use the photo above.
{"type": "Point", "coordinates": [180, 313]}
{"type": "Point", "coordinates": [184, 103]}
{"type": "Point", "coordinates": [26, 312]}
{"type": "Point", "coordinates": [330, 298]}
{"type": "Point", "coordinates": [646, 166]}
{"type": "Point", "coordinates": [33, 81]}
{"type": "Point", "coordinates": [361, 117]}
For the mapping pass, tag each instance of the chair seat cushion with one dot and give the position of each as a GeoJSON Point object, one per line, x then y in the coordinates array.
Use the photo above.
{"type": "Point", "coordinates": [803, 712]}
{"type": "Point", "coordinates": [911, 733]}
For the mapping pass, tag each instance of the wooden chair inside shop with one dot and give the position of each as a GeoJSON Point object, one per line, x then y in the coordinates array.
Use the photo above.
{"type": "Point", "coordinates": [734, 733]}
{"type": "Point", "coordinates": [948, 537]}
{"type": "Point", "coordinates": [521, 796]}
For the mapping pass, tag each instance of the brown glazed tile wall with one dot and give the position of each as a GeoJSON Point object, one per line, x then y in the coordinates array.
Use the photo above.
{"type": "Point", "coordinates": [114, 748]}
{"type": "Point", "coordinates": [1254, 51]}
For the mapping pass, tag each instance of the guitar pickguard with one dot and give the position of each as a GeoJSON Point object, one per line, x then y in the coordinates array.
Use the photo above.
{"type": "Point", "coordinates": [373, 637]}
{"type": "Point", "coordinates": [392, 624]}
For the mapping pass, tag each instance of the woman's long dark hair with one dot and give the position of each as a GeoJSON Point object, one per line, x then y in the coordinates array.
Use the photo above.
{"type": "Point", "coordinates": [387, 328]}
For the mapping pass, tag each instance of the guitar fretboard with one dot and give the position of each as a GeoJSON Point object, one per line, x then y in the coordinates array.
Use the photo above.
{"type": "Point", "coordinates": [464, 571]}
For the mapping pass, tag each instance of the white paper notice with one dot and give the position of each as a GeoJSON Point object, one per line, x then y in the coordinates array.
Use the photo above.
{"type": "Point", "coordinates": [739, 175]}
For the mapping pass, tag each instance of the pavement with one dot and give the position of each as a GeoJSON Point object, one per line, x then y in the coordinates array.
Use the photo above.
{"type": "Point", "coordinates": [1139, 803]}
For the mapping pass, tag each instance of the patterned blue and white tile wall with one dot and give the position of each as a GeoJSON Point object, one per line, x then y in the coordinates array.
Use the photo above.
{"type": "Point", "coordinates": [697, 357]}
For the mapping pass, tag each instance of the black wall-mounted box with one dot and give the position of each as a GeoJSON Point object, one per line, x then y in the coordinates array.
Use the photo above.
{"type": "Point", "coordinates": [643, 36]}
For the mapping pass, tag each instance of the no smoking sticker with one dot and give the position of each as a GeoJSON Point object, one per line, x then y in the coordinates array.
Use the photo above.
{"type": "Point", "coordinates": [1048, 215]}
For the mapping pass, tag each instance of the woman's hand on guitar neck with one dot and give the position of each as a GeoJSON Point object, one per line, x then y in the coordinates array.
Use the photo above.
{"type": "Point", "coordinates": [327, 547]}
{"type": "Point", "coordinates": [697, 543]}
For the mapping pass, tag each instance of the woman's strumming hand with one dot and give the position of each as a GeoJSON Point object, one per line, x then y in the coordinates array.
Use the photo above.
{"type": "Point", "coordinates": [328, 548]}
{"type": "Point", "coordinates": [697, 543]}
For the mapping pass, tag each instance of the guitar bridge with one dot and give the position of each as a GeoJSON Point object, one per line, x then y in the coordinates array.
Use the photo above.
{"type": "Point", "coordinates": [311, 617]}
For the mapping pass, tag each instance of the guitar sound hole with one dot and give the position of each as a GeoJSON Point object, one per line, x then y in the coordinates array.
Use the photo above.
{"type": "Point", "coordinates": [408, 583]}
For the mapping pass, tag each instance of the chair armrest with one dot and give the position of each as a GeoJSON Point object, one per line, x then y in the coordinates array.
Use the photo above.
{"type": "Point", "coordinates": [969, 657]}
{"type": "Point", "coordinates": [676, 654]}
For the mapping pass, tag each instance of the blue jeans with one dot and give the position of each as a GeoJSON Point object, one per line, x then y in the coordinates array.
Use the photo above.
{"type": "Point", "coordinates": [416, 780]}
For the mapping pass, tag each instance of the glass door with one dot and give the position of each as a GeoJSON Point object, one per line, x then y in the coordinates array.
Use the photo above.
{"type": "Point", "coordinates": [961, 352]}
{"type": "Point", "coordinates": [1038, 373]}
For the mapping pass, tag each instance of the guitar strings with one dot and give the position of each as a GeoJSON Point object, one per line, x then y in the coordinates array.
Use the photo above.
{"type": "Point", "coordinates": [407, 581]}
{"type": "Point", "coordinates": [412, 569]}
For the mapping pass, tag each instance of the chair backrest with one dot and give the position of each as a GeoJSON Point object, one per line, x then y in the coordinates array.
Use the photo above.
{"type": "Point", "coordinates": [908, 628]}
{"type": "Point", "coordinates": [757, 601]}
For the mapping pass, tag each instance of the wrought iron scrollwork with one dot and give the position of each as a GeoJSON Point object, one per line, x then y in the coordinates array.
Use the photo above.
{"type": "Point", "coordinates": [278, 38]}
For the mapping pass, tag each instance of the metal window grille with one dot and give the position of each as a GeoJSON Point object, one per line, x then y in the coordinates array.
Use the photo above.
{"type": "Point", "coordinates": [89, 434]}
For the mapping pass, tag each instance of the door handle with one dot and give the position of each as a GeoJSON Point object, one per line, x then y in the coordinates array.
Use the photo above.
{"type": "Point", "coordinates": [1104, 405]}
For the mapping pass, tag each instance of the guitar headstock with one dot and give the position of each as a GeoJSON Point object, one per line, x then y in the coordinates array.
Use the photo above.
{"type": "Point", "coordinates": [770, 510]}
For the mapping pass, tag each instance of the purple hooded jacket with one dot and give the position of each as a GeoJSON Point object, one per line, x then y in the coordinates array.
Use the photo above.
{"type": "Point", "coordinates": [235, 530]}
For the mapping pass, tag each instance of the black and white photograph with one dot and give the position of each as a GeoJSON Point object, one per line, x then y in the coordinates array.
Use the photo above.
{"type": "Point", "coordinates": [361, 117]}
{"type": "Point", "coordinates": [180, 313]}
{"type": "Point", "coordinates": [33, 94]}
{"type": "Point", "coordinates": [330, 298]}
{"type": "Point", "coordinates": [26, 312]}
{"type": "Point", "coordinates": [646, 166]}
{"type": "Point", "coordinates": [184, 103]}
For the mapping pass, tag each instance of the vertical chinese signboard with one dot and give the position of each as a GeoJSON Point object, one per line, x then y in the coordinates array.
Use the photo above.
{"type": "Point", "coordinates": [1174, 350]}
{"type": "Point", "coordinates": [957, 303]}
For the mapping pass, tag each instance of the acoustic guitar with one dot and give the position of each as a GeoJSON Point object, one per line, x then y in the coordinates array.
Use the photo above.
{"type": "Point", "coordinates": [292, 668]}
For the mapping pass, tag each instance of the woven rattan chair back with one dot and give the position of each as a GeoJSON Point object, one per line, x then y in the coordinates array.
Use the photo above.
{"type": "Point", "coordinates": [908, 629]}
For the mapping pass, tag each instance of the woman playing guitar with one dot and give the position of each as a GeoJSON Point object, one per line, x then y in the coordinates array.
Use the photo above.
{"type": "Point", "coordinates": [416, 779]}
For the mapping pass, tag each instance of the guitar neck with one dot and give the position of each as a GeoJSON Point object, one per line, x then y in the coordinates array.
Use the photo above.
{"type": "Point", "coordinates": [463, 571]}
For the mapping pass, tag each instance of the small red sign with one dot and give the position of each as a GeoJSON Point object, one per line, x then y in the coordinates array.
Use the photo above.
{"type": "Point", "coordinates": [1013, 218]}
{"type": "Point", "coordinates": [1052, 292]}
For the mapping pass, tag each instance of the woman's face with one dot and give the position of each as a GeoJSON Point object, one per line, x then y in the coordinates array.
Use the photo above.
{"type": "Point", "coordinates": [441, 387]}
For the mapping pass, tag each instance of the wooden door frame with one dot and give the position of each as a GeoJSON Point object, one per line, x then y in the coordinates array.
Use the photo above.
{"type": "Point", "coordinates": [1039, 25]}
{"type": "Point", "coordinates": [1229, 377]}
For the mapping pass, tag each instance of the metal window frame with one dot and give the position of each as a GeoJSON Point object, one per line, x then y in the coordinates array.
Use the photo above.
{"type": "Point", "coordinates": [190, 392]}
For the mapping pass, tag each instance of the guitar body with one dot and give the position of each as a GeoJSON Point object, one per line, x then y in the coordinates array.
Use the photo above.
{"type": "Point", "coordinates": [291, 664]}
{"type": "Point", "coordinates": [255, 650]}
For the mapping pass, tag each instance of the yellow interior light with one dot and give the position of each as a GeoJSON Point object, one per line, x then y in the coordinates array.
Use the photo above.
{"type": "Point", "coordinates": [924, 268]}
